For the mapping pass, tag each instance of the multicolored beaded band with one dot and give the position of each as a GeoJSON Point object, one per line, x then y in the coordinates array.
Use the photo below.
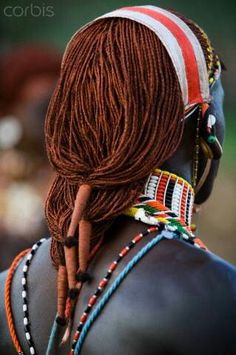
{"type": "Point", "coordinates": [167, 197]}
{"type": "Point", "coordinates": [24, 282]}
{"type": "Point", "coordinates": [105, 280]}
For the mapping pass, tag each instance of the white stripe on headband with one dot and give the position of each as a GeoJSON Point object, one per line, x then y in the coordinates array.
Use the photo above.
{"type": "Point", "coordinates": [199, 55]}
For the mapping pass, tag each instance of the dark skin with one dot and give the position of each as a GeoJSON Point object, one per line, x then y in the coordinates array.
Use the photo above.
{"type": "Point", "coordinates": [178, 300]}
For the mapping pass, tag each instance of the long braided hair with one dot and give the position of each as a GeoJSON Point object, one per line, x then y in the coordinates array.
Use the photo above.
{"type": "Point", "coordinates": [116, 114]}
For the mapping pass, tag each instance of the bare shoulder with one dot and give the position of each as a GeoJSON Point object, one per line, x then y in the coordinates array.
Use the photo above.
{"type": "Point", "coordinates": [175, 296]}
{"type": "Point", "coordinates": [182, 292]}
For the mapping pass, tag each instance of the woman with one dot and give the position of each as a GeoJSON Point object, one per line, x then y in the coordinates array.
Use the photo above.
{"type": "Point", "coordinates": [134, 129]}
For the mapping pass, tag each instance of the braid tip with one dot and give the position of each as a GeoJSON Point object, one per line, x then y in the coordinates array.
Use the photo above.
{"type": "Point", "coordinates": [67, 333]}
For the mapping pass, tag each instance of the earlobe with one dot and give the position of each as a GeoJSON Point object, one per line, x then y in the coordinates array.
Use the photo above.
{"type": "Point", "coordinates": [212, 149]}
{"type": "Point", "coordinates": [209, 142]}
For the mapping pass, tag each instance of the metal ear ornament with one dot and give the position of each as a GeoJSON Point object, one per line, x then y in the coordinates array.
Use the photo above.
{"type": "Point", "coordinates": [209, 142]}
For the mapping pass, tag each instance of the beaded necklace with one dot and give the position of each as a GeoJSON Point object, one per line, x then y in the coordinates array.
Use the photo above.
{"type": "Point", "coordinates": [166, 204]}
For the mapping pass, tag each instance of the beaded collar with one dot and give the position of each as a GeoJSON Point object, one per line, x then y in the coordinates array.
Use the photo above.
{"type": "Point", "coordinates": [167, 198]}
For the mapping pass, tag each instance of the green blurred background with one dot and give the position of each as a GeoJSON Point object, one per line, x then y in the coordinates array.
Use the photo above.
{"type": "Point", "coordinates": [56, 24]}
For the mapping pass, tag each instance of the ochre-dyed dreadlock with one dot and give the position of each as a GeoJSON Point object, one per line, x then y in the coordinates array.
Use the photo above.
{"type": "Point", "coordinates": [116, 114]}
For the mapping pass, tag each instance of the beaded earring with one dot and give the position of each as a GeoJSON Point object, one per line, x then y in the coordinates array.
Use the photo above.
{"type": "Point", "coordinates": [196, 150]}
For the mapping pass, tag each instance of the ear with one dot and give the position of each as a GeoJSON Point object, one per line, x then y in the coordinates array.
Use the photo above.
{"type": "Point", "coordinates": [212, 137]}
{"type": "Point", "coordinates": [209, 143]}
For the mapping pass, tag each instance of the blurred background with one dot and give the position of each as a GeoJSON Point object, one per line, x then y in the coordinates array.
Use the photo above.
{"type": "Point", "coordinates": [33, 36]}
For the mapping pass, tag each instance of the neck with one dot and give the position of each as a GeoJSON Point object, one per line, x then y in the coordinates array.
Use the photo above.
{"type": "Point", "coordinates": [166, 198]}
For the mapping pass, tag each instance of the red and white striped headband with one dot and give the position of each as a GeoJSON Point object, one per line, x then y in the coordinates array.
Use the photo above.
{"type": "Point", "coordinates": [181, 44]}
